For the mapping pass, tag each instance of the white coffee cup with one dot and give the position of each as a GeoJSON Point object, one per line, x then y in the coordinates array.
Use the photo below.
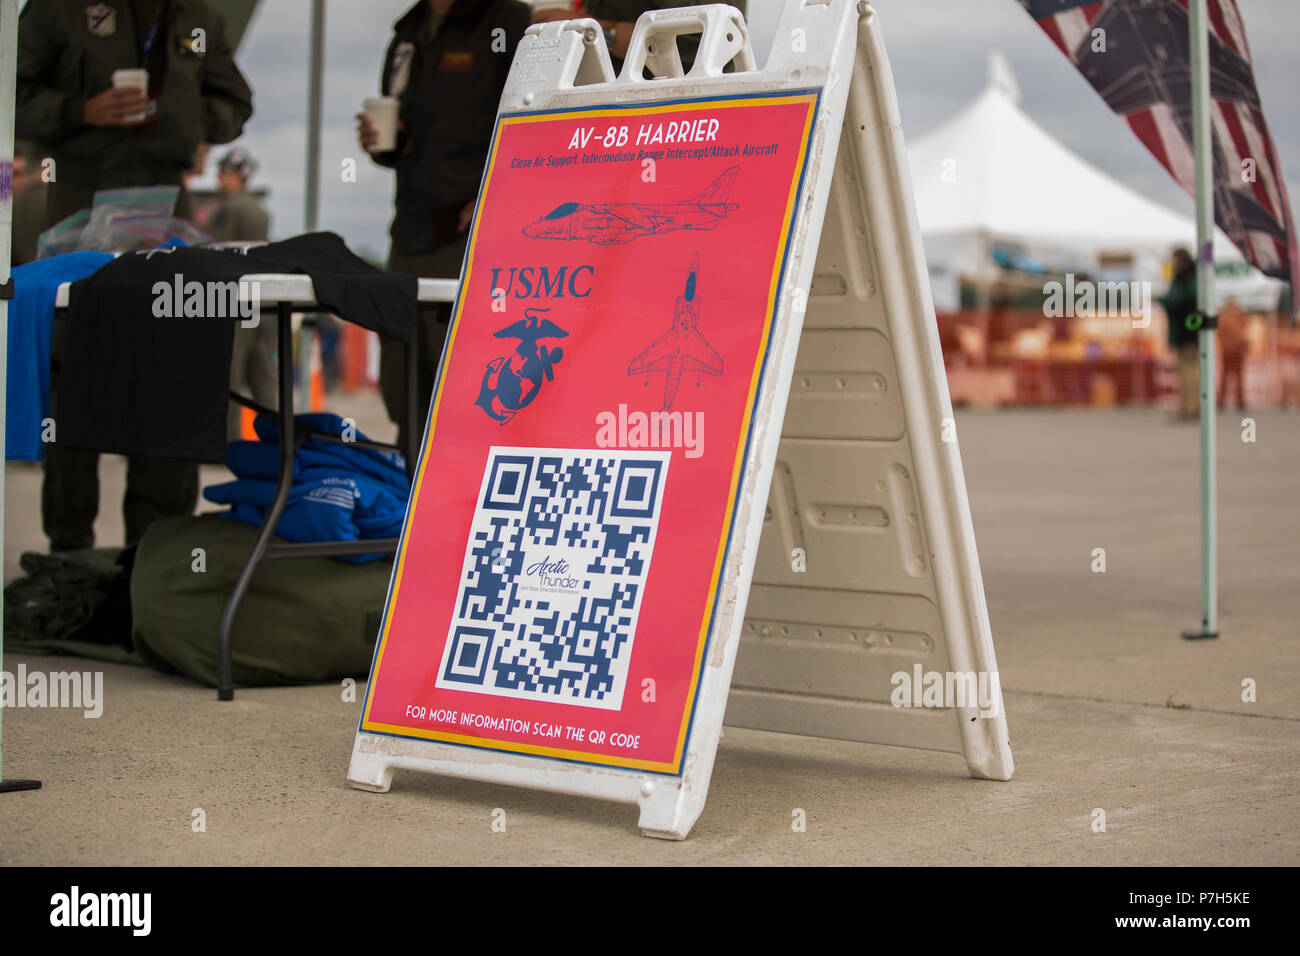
{"type": "Point", "coordinates": [382, 113]}
{"type": "Point", "coordinates": [135, 79]}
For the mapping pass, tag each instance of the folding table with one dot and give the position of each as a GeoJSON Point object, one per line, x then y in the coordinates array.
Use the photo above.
{"type": "Point", "coordinates": [285, 293]}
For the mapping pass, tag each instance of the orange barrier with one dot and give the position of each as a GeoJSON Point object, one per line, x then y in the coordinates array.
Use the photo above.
{"type": "Point", "coordinates": [316, 382]}
{"type": "Point", "coordinates": [354, 357]}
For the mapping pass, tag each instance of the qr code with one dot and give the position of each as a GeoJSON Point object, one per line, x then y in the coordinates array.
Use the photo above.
{"type": "Point", "coordinates": [554, 575]}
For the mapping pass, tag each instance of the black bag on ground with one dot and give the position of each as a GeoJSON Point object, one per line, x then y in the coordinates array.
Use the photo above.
{"type": "Point", "coordinates": [302, 620]}
{"type": "Point", "coordinates": [74, 602]}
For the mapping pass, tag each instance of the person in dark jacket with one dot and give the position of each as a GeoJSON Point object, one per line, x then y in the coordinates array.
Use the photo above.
{"type": "Point", "coordinates": [447, 65]}
{"type": "Point", "coordinates": [1179, 302]}
{"type": "Point", "coordinates": [68, 51]}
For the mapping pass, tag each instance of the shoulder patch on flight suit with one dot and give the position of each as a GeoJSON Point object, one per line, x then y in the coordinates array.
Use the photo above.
{"type": "Point", "coordinates": [456, 61]}
{"type": "Point", "coordinates": [101, 20]}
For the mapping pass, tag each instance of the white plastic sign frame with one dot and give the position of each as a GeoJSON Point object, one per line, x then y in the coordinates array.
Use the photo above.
{"type": "Point", "coordinates": [867, 611]}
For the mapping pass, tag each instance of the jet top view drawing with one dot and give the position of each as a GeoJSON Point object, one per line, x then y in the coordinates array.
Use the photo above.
{"type": "Point", "coordinates": [682, 348]}
{"type": "Point", "coordinates": [615, 223]}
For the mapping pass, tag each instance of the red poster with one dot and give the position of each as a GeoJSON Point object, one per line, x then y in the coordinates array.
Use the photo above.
{"type": "Point", "coordinates": [558, 574]}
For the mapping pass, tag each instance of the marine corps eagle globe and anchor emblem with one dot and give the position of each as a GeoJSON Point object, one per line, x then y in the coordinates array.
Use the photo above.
{"type": "Point", "coordinates": [512, 382]}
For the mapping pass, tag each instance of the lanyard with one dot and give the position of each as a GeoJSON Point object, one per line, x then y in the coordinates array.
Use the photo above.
{"type": "Point", "coordinates": [149, 40]}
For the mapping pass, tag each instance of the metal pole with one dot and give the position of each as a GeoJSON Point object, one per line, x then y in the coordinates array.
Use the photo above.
{"type": "Point", "coordinates": [288, 440]}
{"type": "Point", "coordinates": [312, 179]}
{"type": "Point", "coordinates": [8, 66]}
{"type": "Point", "coordinates": [311, 208]}
{"type": "Point", "coordinates": [1203, 144]}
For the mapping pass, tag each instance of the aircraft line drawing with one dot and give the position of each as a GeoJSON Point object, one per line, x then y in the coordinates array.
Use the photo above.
{"type": "Point", "coordinates": [682, 348]}
{"type": "Point", "coordinates": [616, 223]}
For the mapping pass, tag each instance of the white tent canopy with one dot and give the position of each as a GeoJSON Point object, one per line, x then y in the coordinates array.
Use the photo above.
{"type": "Point", "coordinates": [990, 174]}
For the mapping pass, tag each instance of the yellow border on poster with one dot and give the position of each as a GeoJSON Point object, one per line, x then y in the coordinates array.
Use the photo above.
{"type": "Point", "coordinates": [796, 179]}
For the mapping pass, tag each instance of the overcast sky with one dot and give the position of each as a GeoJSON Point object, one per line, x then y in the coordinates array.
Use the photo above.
{"type": "Point", "coordinates": [938, 49]}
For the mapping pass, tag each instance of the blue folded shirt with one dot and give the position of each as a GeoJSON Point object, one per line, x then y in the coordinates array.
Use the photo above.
{"type": "Point", "coordinates": [339, 492]}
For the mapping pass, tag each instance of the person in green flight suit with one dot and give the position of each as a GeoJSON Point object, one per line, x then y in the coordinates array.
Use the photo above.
{"type": "Point", "coordinates": [239, 217]}
{"type": "Point", "coordinates": [68, 51]}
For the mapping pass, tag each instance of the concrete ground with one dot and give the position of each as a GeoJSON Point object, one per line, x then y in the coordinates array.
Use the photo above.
{"type": "Point", "coordinates": [1108, 707]}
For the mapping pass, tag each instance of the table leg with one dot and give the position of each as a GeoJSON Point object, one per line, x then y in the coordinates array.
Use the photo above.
{"type": "Point", "coordinates": [414, 431]}
{"type": "Point", "coordinates": [225, 650]}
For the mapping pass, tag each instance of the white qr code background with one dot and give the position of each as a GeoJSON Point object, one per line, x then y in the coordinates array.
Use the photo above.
{"type": "Point", "coordinates": [554, 575]}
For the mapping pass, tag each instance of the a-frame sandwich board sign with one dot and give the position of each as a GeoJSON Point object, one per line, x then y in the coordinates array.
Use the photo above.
{"type": "Point", "coordinates": [574, 576]}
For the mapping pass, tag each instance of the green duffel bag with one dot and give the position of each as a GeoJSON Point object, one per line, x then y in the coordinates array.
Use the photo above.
{"type": "Point", "coordinates": [302, 620]}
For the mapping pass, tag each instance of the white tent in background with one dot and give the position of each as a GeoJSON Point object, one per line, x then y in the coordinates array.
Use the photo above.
{"type": "Point", "coordinates": [990, 175]}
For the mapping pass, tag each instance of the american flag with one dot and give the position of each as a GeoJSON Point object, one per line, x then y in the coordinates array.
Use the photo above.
{"type": "Point", "coordinates": [1137, 55]}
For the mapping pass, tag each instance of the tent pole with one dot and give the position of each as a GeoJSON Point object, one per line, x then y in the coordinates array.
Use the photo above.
{"type": "Point", "coordinates": [316, 68]}
{"type": "Point", "coordinates": [8, 56]}
{"type": "Point", "coordinates": [311, 199]}
{"type": "Point", "coordinates": [1203, 144]}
